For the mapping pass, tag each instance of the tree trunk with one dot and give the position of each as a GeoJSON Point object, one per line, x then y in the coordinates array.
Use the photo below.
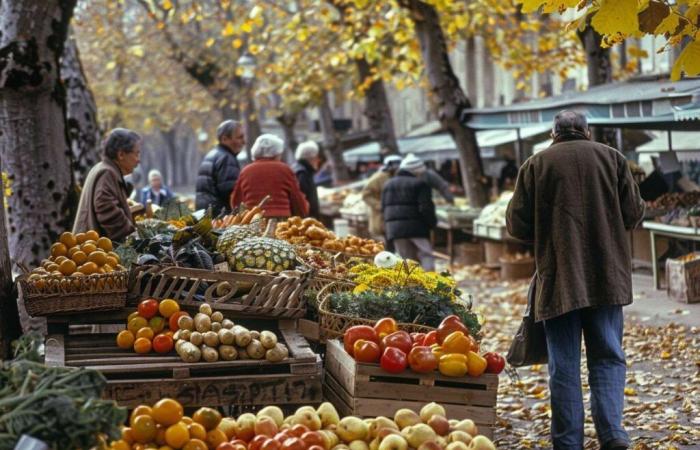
{"type": "Point", "coordinates": [251, 121]}
{"type": "Point", "coordinates": [33, 142]}
{"type": "Point", "coordinates": [81, 113]}
{"type": "Point", "coordinates": [287, 120]}
{"type": "Point", "coordinates": [450, 97]}
{"type": "Point", "coordinates": [331, 143]}
{"type": "Point", "coordinates": [9, 316]}
{"type": "Point", "coordinates": [378, 111]}
{"type": "Point", "coordinates": [600, 72]}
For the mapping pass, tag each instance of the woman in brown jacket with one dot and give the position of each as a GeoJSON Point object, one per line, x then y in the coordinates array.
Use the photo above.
{"type": "Point", "coordinates": [103, 203]}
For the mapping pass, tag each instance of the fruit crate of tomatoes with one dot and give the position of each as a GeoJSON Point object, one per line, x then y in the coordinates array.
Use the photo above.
{"type": "Point", "coordinates": [411, 376]}
{"type": "Point", "coordinates": [82, 274]}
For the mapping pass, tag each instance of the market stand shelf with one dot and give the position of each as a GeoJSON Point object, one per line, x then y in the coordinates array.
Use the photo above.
{"type": "Point", "coordinates": [366, 390]}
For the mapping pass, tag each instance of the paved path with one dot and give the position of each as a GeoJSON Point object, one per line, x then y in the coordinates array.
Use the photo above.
{"type": "Point", "coordinates": [653, 307]}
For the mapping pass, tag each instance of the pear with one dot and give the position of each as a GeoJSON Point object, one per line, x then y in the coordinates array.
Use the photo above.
{"type": "Point", "coordinates": [358, 445]}
{"type": "Point", "coordinates": [330, 438]}
{"type": "Point", "coordinates": [481, 443]}
{"type": "Point", "coordinates": [374, 445]}
{"type": "Point", "coordinates": [273, 412]}
{"type": "Point", "coordinates": [417, 434]}
{"type": "Point", "coordinates": [328, 414]}
{"type": "Point", "coordinates": [457, 445]}
{"type": "Point", "coordinates": [430, 410]}
{"type": "Point", "coordinates": [304, 408]}
{"type": "Point", "coordinates": [393, 442]}
{"type": "Point", "coordinates": [309, 418]}
{"type": "Point", "coordinates": [381, 422]}
{"type": "Point", "coordinates": [430, 445]}
{"type": "Point", "coordinates": [352, 428]}
{"type": "Point", "coordinates": [468, 426]}
{"type": "Point", "coordinates": [459, 436]}
{"type": "Point", "coordinates": [406, 417]}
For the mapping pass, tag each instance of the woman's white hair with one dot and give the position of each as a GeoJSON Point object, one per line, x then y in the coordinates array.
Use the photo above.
{"type": "Point", "coordinates": [306, 150]}
{"type": "Point", "coordinates": [154, 174]}
{"type": "Point", "coordinates": [267, 146]}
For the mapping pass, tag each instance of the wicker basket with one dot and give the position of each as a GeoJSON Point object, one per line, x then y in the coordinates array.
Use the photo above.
{"type": "Point", "coordinates": [64, 295]}
{"type": "Point", "coordinates": [333, 325]}
{"type": "Point", "coordinates": [247, 294]}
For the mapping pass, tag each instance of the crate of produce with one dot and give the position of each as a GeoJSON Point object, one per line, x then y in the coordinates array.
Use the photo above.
{"type": "Point", "coordinates": [366, 390]}
{"type": "Point", "coordinates": [683, 278]}
{"type": "Point", "coordinates": [248, 294]}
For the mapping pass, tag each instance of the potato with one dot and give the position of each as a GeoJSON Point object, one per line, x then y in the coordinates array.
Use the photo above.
{"type": "Point", "coordinates": [226, 337]}
{"type": "Point", "coordinates": [205, 308]}
{"type": "Point", "coordinates": [277, 353]}
{"type": "Point", "coordinates": [255, 334]}
{"type": "Point", "coordinates": [185, 323]}
{"type": "Point", "coordinates": [268, 339]}
{"type": "Point", "coordinates": [226, 323]}
{"type": "Point", "coordinates": [176, 335]}
{"type": "Point", "coordinates": [189, 352]}
{"type": "Point", "coordinates": [255, 350]}
{"type": "Point", "coordinates": [185, 335]}
{"type": "Point", "coordinates": [216, 326]}
{"type": "Point", "coordinates": [211, 339]}
{"type": "Point", "coordinates": [242, 354]}
{"type": "Point", "coordinates": [196, 338]}
{"type": "Point", "coordinates": [202, 322]}
{"type": "Point", "coordinates": [209, 354]}
{"type": "Point", "coordinates": [217, 316]}
{"type": "Point", "coordinates": [243, 336]}
{"type": "Point", "coordinates": [228, 352]}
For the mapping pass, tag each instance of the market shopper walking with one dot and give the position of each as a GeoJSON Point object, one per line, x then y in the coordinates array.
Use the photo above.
{"type": "Point", "coordinates": [409, 212]}
{"type": "Point", "coordinates": [372, 196]}
{"type": "Point", "coordinates": [306, 165]}
{"type": "Point", "coordinates": [267, 175]}
{"type": "Point", "coordinates": [219, 169]}
{"type": "Point", "coordinates": [575, 202]}
{"type": "Point", "coordinates": [156, 192]}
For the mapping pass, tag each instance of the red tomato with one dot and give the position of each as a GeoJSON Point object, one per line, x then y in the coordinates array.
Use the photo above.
{"type": "Point", "coordinates": [430, 338]}
{"type": "Point", "coordinates": [283, 436]}
{"type": "Point", "coordinates": [449, 325]}
{"type": "Point", "coordinates": [257, 442]}
{"type": "Point", "coordinates": [393, 360]}
{"type": "Point", "coordinates": [398, 339]}
{"type": "Point", "coordinates": [352, 334]}
{"type": "Point", "coordinates": [385, 326]}
{"type": "Point", "coordinates": [271, 444]}
{"type": "Point", "coordinates": [422, 360]}
{"type": "Point", "coordinates": [298, 430]}
{"type": "Point", "coordinates": [148, 308]}
{"type": "Point", "coordinates": [418, 338]}
{"type": "Point", "coordinates": [163, 343]}
{"type": "Point", "coordinates": [312, 438]}
{"type": "Point", "coordinates": [293, 444]}
{"type": "Point", "coordinates": [494, 362]}
{"type": "Point", "coordinates": [172, 321]}
{"type": "Point", "coordinates": [226, 446]}
{"type": "Point", "coordinates": [366, 351]}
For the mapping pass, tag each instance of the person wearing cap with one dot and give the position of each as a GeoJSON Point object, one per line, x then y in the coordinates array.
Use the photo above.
{"type": "Point", "coordinates": [156, 192]}
{"type": "Point", "coordinates": [409, 212]}
{"type": "Point", "coordinates": [372, 195]}
{"type": "Point", "coordinates": [268, 175]}
{"type": "Point", "coordinates": [304, 168]}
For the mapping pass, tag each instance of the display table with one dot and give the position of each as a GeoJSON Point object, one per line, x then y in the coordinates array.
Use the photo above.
{"type": "Point", "coordinates": [454, 220]}
{"type": "Point", "coordinates": [671, 232]}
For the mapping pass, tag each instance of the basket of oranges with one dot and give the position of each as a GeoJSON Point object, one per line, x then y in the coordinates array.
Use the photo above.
{"type": "Point", "coordinates": [82, 274]}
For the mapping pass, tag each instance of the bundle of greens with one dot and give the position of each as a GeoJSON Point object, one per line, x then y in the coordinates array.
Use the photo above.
{"type": "Point", "coordinates": [411, 304]}
{"type": "Point", "coordinates": [58, 405]}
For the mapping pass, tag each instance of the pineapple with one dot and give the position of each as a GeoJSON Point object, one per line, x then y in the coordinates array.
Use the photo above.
{"type": "Point", "coordinates": [233, 235]}
{"type": "Point", "coordinates": [262, 253]}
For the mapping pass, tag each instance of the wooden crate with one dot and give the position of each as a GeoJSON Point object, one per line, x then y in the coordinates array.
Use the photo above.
{"type": "Point", "coordinates": [366, 390]}
{"type": "Point", "coordinates": [683, 280]}
{"type": "Point", "coordinates": [134, 379]}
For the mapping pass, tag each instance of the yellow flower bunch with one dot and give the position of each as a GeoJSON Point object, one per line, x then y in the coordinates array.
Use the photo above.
{"type": "Point", "coordinates": [369, 276]}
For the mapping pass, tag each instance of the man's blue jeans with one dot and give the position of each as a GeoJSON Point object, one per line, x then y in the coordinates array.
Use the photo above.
{"type": "Point", "coordinates": [602, 332]}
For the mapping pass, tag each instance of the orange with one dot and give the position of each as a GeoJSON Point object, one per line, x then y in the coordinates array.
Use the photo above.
{"type": "Point", "coordinates": [216, 437]}
{"type": "Point", "coordinates": [120, 445]}
{"type": "Point", "coordinates": [136, 323]}
{"type": "Point", "coordinates": [67, 267]}
{"type": "Point", "coordinates": [125, 339]}
{"type": "Point", "coordinates": [142, 345]}
{"type": "Point", "coordinates": [59, 249]}
{"type": "Point", "coordinates": [141, 410]}
{"type": "Point", "coordinates": [112, 261]}
{"type": "Point", "coordinates": [168, 307]}
{"type": "Point", "coordinates": [131, 316]}
{"type": "Point", "coordinates": [160, 435]}
{"type": "Point", "coordinates": [101, 270]}
{"type": "Point", "coordinates": [72, 250]}
{"type": "Point", "coordinates": [79, 257]}
{"type": "Point", "coordinates": [53, 267]}
{"type": "Point", "coordinates": [168, 412]}
{"type": "Point", "coordinates": [92, 235]}
{"type": "Point", "coordinates": [188, 420]}
{"type": "Point", "coordinates": [107, 268]}
{"type": "Point", "coordinates": [208, 417]}
{"type": "Point", "coordinates": [105, 244]}
{"type": "Point", "coordinates": [177, 435]}
{"type": "Point", "coordinates": [80, 238]}
{"type": "Point", "coordinates": [88, 247]}
{"type": "Point", "coordinates": [197, 431]}
{"type": "Point", "coordinates": [195, 444]}
{"type": "Point", "coordinates": [127, 436]}
{"type": "Point", "coordinates": [98, 257]}
{"type": "Point", "coordinates": [143, 429]}
{"type": "Point", "coordinates": [68, 239]}
{"type": "Point", "coordinates": [145, 332]}
{"type": "Point", "coordinates": [59, 259]}
{"type": "Point", "coordinates": [88, 268]}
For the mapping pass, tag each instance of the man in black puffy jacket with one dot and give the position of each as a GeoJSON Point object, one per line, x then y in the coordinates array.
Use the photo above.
{"type": "Point", "coordinates": [220, 169]}
{"type": "Point", "coordinates": [409, 212]}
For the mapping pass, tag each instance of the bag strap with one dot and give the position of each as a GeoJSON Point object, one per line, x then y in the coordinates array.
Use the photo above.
{"type": "Point", "coordinates": [531, 295]}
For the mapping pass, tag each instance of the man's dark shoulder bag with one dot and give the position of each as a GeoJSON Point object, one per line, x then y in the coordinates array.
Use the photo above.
{"type": "Point", "coordinates": [529, 344]}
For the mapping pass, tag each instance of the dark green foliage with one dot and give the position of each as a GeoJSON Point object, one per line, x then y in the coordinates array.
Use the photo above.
{"type": "Point", "coordinates": [172, 210]}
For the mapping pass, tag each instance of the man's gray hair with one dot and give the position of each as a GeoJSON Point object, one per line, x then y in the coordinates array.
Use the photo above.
{"type": "Point", "coordinates": [226, 128]}
{"type": "Point", "coordinates": [306, 150]}
{"type": "Point", "coordinates": [119, 139]}
{"type": "Point", "coordinates": [569, 121]}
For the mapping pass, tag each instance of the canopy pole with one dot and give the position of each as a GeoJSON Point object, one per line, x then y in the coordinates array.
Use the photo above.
{"type": "Point", "coordinates": [670, 140]}
{"type": "Point", "coordinates": [518, 148]}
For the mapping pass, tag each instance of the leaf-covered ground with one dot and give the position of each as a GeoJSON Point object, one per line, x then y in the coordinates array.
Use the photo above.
{"type": "Point", "coordinates": [662, 409]}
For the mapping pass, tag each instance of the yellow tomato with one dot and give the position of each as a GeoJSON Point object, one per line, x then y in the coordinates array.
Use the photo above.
{"type": "Point", "coordinates": [177, 435]}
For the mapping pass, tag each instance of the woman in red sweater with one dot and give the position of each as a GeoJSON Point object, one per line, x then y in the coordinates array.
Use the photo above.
{"type": "Point", "coordinates": [268, 175]}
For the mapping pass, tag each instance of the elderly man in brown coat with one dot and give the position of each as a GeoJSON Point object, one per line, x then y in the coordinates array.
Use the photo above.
{"type": "Point", "coordinates": [575, 201]}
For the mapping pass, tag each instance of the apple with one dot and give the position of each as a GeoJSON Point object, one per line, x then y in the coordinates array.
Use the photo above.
{"type": "Point", "coordinates": [453, 422]}
{"type": "Point", "coordinates": [257, 442]}
{"type": "Point", "coordinates": [311, 438]}
{"type": "Point", "coordinates": [374, 445]}
{"type": "Point", "coordinates": [430, 445]}
{"type": "Point", "coordinates": [341, 447]}
{"type": "Point", "coordinates": [352, 428]}
{"type": "Point", "coordinates": [468, 426]}
{"type": "Point", "coordinates": [417, 434]}
{"type": "Point", "coordinates": [358, 445]}
{"type": "Point", "coordinates": [328, 414]}
{"type": "Point", "coordinates": [266, 426]}
{"type": "Point", "coordinates": [304, 408]}
{"type": "Point", "coordinates": [274, 412]}
{"type": "Point", "coordinates": [381, 422]}
{"type": "Point", "coordinates": [309, 419]}
{"type": "Point", "coordinates": [384, 432]}
{"type": "Point", "coordinates": [293, 443]}
{"type": "Point", "coordinates": [442, 442]}
{"type": "Point", "coordinates": [298, 430]}
{"type": "Point", "coordinates": [228, 426]}
{"type": "Point", "coordinates": [245, 427]}
{"type": "Point", "coordinates": [405, 418]}
{"type": "Point", "coordinates": [430, 410]}
{"type": "Point", "coordinates": [271, 444]}
{"type": "Point", "coordinates": [459, 436]}
{"type": "Point", "coordinates": [439, 424]}
{"type": "Point", "coordinates": [482, 443]}
{"type": "Point", "coordinates": [316, 447]}
{"type": "Point", "coordinates": [393, 442]}
{"type": "Point", "coordinates": [457, 445]}
{"type": "Point", "coordinates": [283, 436]}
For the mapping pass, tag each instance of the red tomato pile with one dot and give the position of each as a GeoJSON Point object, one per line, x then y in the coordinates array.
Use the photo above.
{"type": "Point", "coordinates": [151, 326]}
{"type": "Point", "coordinates": [449, 349]}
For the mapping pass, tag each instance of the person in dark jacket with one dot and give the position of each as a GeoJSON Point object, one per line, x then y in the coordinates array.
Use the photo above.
{"type": "Point", "coordinates": [219, 170]}
{"type": "Point", "coordinates": [156, 191]}
{"type": "Point", "coordinates": [576, 201]}
{"type": "Point", "coordinates": [409, 212]}
{"type": "Point", "coordinates": [306, 165]}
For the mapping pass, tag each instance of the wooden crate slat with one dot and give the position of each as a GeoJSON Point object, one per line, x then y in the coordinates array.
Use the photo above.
{"type": "Point", "coordinates": [485, 381]}
{"type": "Point", "coordinates": [55, 350]}
{"type": "Point", "coordinates": [377, 389]}
{"type": "Point", "coordinates": [341, 366]}
{"type": "Point", "coordinates": [135, 360]}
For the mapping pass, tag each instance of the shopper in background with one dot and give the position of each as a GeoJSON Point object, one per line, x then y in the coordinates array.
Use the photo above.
{"type": "Point", "coordinates": [307, 163]}
{"type": "Point", "coordinates": [435, 181]}
{"type": "Point", "coordinates": [219, 169]}
{"type": "Point", "coordinates": [372, 196]}
{"type": "Point", "coordinates": [409, 212]}
{"type": "Point", "coordinates": [268, 175]}
{"type": "Point", "coordinates": [156, 192]}
{"type": "Point", "coordinates": [576, 201]}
